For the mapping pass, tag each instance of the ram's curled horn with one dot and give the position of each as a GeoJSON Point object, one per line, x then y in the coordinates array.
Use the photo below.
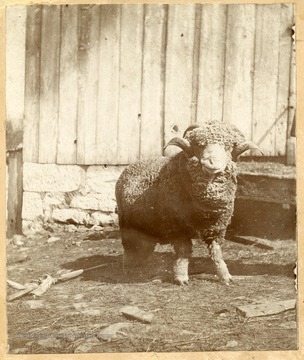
{"type": "Point", "coordinates": [181, 143]}
{"type": "Point", "coordinates": [190, 128]}
{"type": "Point", "coordinates": [247, 145]}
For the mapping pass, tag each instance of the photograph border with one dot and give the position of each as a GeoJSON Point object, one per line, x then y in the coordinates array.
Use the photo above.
{"type": "Point", "coordinates": [252, 355]}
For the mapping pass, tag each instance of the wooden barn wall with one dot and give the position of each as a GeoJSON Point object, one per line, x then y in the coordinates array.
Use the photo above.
{"type": "Point", "coordinates": [111, 84]}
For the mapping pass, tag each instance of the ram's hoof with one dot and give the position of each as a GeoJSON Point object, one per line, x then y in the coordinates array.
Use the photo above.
{"type": "Point", "coordinates": [182, 280]}
{"type": "Point", "coordinates": [228, 280]}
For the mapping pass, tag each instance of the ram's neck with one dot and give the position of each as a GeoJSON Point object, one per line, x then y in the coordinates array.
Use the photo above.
{"type": "Point", "coordinates": [210, 192]}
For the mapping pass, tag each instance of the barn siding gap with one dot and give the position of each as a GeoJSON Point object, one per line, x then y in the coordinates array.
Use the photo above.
{"type": "Point", "coordinates": [32, 84]}
{"type": "Point", "coordinates": [49, 84]}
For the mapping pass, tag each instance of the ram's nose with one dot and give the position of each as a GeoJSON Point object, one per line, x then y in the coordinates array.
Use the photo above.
{"type": "Point", "coordinates": [214, 158]}
{"type": "Point", "coordinates": [213, 169]}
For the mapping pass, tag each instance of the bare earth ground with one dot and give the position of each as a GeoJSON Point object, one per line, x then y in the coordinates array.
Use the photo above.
{"type": "Point", "coordinates": [73, 316]}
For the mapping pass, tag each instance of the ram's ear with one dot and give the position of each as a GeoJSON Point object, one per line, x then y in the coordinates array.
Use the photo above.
{"type": "Point", "coordinates": [181, 143]}
{"type": "Point", "coordinates": [240, 148]}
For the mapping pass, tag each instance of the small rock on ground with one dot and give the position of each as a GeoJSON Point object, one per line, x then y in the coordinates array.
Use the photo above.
{"type": "Point", "coordinates": [133, 312]}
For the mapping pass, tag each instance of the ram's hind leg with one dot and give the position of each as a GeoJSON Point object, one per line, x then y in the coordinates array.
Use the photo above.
{"type": "Point", "coordinates": [183, 253]}
{"type": "Point", "coordinates": [137, 248]}
{"type": "Point", "coordinates": [221, 267]}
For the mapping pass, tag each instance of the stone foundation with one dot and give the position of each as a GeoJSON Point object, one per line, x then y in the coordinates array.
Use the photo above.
{"type": "Point", "coordinates": [68, 194]}
{"type": "Point", "coordinates": [81, 197]}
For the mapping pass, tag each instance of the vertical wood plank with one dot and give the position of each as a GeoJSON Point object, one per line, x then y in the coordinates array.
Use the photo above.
{"type": "Point", "coordinates": [285, 49]}
{"type": "Point", "coordinates": [239, 63]}
{"type": "Point", "coordinates": [32, 84]}
{"type": "Point", "coordinates": [266, 76]}
{"type": "Point", "coordinates": [15, 67]}
{"type": "Point", "coordinates": [68, 86]}
{"type": "Point", "coordinates": [212, 61]}
{"type": "Point", "coordinates": [196, 61]}
{"type": "Point", "coordinates": [108, 88]}
{"type": "Point", "coordinates": [153, 81]}
{"type": "Point", "coordinates": [179, 71]}
{"type": "Point", "coordinates": [88, 83]}
{"type": "Point", "coordinates": [49, 82]}
{"type": "Point", "coordinates": [130, 83]}
{"type": "Point", "coordinates": [15, 192]}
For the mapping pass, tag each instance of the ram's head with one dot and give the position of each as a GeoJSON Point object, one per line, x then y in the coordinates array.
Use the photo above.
{"type": "Point", "coordinates": [214, 144]}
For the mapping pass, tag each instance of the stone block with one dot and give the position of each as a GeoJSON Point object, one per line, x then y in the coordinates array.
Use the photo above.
{"type": "Point", "coordinates": [71, 216]}
{"type": "Point", "coordinates": [30, 228]}
{"type": "Point", "coordinates": [32, 207]}
{"type": "Point", "coordinates": [99, 218]}
{"type": "Point", "coordinates": [102, 202]}
{"type": "Point", "coordinates": [54, 200]}
{"type": "Point", "coordinates": [101, 178]}
{"type": "Point", "coordinates": [52, 177]}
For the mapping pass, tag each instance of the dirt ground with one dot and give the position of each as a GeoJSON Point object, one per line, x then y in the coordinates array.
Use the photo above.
{"type": "Point", "coordinates": [83, 315]}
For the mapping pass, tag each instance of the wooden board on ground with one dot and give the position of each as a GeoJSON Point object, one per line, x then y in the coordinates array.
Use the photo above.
{"type": "Point", "coordinates": [251, 240]}
{"type": "Point", "coordinates": [267, 308]}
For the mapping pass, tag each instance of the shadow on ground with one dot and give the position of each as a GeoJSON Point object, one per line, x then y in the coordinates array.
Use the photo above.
{"type": "Point", "coordinates": [159, 267]}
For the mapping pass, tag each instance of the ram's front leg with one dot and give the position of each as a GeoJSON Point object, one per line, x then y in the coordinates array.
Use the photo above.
{"type": "Point", "coordinates": [183, 253]}
{"type": "Point", "coordinates": [221, 267]}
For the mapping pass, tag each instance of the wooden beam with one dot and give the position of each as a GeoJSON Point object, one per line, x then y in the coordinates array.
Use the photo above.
{"type": "Point", "coordinates": [14, 195]}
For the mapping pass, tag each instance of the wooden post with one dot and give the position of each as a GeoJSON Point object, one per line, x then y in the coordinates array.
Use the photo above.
{"type": "Point", "coordinates": [14, 195]}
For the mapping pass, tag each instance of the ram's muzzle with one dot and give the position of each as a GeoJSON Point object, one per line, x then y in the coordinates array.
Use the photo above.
{"type": "Point", "coordinates": [213, 158]}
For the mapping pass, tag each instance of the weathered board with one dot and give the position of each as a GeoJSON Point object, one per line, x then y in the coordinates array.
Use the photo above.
{"type": "Point", "coordinates": [239, 65]}
{"type": "Point", "coordinates": [211, 63]}
{"type": "Point", "coordinates": [88, 51]}
{"type": "Point", "coordinates": [49, 83]}
{"type": "Point", "coordinates": [108, 86]}
{"type": "Point", "coordinates": [267, 308]}
{"type": "Point", "coordinates": [266, 77]}
{"type": "Point", "coordinates": [131, 55]}
{"type": "Point", "coordinates": [179, 71]}
{"type": "Point", "coordinates": [111, 84]}
{"type": "Point", "coordinates": [15, 192]}
{"type": "Point", "coordinates": [32, 84]}
{"type": "Point", "coordinates": [151, 135]}
{"type": "Point", "coordinates": [285, 49]}
{"type": "Point", "coordinates": [68, 84]}
{"type": "Point", "coordinates": [15, 70]}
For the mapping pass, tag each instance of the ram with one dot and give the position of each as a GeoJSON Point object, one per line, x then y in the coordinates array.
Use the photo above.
{"type": "Point", "coordinates": [189, 195]}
